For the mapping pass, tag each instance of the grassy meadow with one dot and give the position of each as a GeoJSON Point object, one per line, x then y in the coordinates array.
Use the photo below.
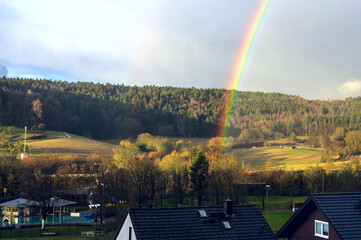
{"type": "Point", "coordinates": [76, 146]}
{"type": "Point", "coordinates": [276, 219]}
{"type": "Point", "coordinates": [274, 158]}
{"type": "Point", "coordinates": [59, 143]}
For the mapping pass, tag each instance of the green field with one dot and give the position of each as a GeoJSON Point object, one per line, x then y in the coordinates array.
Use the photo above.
{"type": "Point", "coordinates": [276, 219]}
{"type": "Point", "coordinates": [57, 142]}
{"type": "Point", "coordinates": [66, 232]}
{"type": "Point", "coordinates": [75, 146]}
{"type": "Point", "coordinates": [274, 158]}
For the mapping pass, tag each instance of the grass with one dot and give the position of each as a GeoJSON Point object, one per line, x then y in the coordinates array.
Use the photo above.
{"type": "Point", "coordinates": [274, 158]}
{"type": "Point", "coordinates": [76, 146]}
{"type": "Point", "coordinates": [34, 233]}
{"type": "Point", "coordinates": [57, 142]}
{"type": "Point", "coordinates": [276, 219]}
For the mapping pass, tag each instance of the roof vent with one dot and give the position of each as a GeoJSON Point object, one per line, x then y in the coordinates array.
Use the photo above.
{"type": "Point", "coordinates": [202, 213]}
{"type": "Point", "coordinates": [228, 207]}
{"type": "Point", "coordinates": [226, 225]}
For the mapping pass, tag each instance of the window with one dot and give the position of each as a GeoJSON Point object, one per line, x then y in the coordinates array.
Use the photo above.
{"type": "Point", "coordinates": [321, 229]}
{"type": "Point", "coordinates": [226, 225]}
{"type": "Point", "coordinates": [202, 213]}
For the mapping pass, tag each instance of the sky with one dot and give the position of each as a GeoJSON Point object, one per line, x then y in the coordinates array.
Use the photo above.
{"type": "Point", "coordinates": [304, 47]}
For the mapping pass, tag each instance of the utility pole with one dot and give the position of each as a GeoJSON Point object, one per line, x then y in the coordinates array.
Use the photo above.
{"type": "Point", "coordinates": [323, 180]}
{"type": "Point", "coordinates": [161, 189]}
{"type": "Point", "coordinates": [101, 206]}
{"type": "Point", "coordinates": [268, 187]}
{"type": "Point", "coordinates": [25, 142]}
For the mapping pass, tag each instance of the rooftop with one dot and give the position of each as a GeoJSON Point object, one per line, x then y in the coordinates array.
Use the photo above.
{"type": "Point", "coordinates": [343, 211]}
{"type": "Point", "coordinates": [246, 222]}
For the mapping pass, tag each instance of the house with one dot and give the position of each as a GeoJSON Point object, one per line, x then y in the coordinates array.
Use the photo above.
{"type": "Point", "coordinates": [213, 222]}
{"type": "Point", "coordinates": [17, 208]}
{"type": "Point", "coordinates": [325, 216]}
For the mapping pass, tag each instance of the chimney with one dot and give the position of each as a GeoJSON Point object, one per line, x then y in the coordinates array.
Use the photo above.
{"type": "Point", "coordinates": [228, 207]}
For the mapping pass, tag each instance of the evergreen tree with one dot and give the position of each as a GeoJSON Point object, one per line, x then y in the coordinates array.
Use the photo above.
{"type": "Point", "coordinates": [198, 175]}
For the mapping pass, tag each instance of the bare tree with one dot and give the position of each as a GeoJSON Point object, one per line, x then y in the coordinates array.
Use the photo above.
{"type": "Point", "coordinates": [43, 182]}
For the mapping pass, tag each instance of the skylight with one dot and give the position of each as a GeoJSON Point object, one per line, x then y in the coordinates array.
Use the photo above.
{"type": "Point", "coordinates": [226, 225]}
{"type": "Point", "coordinates": [202, 213]}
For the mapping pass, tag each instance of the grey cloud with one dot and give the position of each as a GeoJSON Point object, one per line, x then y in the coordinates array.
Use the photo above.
{"type": "Point", "coordinates": [3, 71]}
{"type": "Point", "coordinates": [306, 47]}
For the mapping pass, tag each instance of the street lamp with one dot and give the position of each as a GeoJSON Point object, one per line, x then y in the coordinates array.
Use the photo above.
{"type": "Point", "coordinates": [161, 189]}
{"type": "Point", "coordinates": [323, 180]}
{"type": "Point", "coordinates": [101, 206]}
{"type": "Point", "coordinates": [268, 187]}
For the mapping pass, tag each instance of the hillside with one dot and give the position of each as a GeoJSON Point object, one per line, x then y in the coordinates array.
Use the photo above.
{"type": "Point", "coordinates": [69, 145]}
{"type": "Point", "coordinates": [112, 111]}
{"type": "Point", "coordinates": [274, 158]}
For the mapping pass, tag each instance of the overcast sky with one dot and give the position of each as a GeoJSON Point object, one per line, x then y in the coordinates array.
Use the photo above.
{"type": "Point", "coordinates": [305, 47]}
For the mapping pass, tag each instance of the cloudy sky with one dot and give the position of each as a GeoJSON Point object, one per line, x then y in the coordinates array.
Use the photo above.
{"type": "Point", "coordinates": [305, 47]}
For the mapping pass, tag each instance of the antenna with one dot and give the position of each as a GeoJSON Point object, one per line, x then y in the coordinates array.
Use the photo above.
{"type": "Point", "coordinates": [25, 142]}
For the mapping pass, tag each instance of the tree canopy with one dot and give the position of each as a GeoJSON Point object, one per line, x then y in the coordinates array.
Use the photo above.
{"type": "Point", "coordinates": [114, 110]}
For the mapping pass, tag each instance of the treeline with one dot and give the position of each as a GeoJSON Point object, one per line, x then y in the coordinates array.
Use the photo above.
{"type": "Point", "coordinates": [109, 111]}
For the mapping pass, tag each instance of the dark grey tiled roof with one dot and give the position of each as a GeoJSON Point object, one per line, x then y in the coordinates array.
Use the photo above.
{"type": "Point", "coordinates": [19, 202]}
{"type": "Point", "coordinates": [247, 222]}
{"type": "Point", "coordinates": [343, 211]}
{"type": "Point", "coordinates": [59, 202]}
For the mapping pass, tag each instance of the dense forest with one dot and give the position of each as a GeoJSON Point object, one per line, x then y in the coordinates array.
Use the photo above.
{"type": "Point", "coordinates": [110, 111]}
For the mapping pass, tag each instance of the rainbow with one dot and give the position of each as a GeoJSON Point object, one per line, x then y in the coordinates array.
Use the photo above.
{"type": "Point", "coordinates": [239, 69]}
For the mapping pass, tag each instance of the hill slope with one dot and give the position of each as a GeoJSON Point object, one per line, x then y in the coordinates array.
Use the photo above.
{"type": "Point", "coordinates": [113, 111]}
{"type": "Point", "coordinates": [63, 144]}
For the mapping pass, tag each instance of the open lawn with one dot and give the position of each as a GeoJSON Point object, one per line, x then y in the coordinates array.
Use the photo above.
{"type": "Point", "coordinates": [75, 145]}
{"type": "Point", "coordinates": [276, 219]}
{"type": "Point", "coordinates": [68, 232]}
{"type": "Point", "coordinates": [273, 158]}
{"type": "Point", "coordinates": [57, 142]}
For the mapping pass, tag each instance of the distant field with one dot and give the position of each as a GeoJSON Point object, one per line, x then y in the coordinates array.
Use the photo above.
{"type": "Point", "coordinates": [281, 157]}
{"type": "Point", "coordinates": [58, 142]}
{"type": "Point", "coordinates": [76, 145]}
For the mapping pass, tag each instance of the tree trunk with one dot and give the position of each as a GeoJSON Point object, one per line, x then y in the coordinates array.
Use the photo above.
{"type": "Point", "coordinates": [43, 223]}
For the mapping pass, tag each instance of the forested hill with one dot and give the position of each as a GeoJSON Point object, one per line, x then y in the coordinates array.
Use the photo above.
{"type": "Point", "coordinates": [109, 111]}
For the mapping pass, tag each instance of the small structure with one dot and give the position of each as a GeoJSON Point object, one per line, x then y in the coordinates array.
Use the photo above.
{"type": "Point", "coordinates": [296, 206]}
{"type": "Point", "coordinates": [325, 216]}
{"type": "Point", "coordinates": [214, 222]}
{"type": "Point", "coordinates": [60, 203]}
{"type": "Point", "coordinates": [18, 207]}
